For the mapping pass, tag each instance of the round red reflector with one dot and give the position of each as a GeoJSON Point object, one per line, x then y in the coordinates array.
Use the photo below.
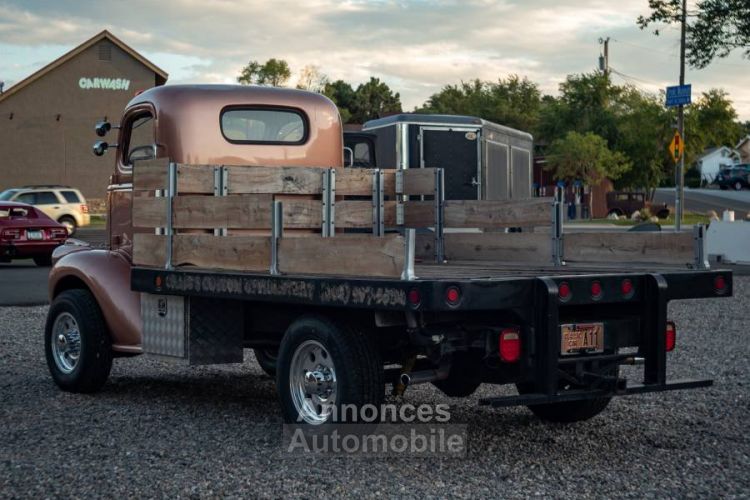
{"type": "Point", "coordinates": [670, 338]}
{"type": "Point", "coordinates": [720, 284]}
{"type": "Point", "coordinates": [452, 295]}
{"type": "Point", "coordinates": [627, 288]}
{"type": "Point", "coordinates": [414, 297]}
{"type": "Point", "coordinates": [596, 290]}
{"type": "Point", "coordinates": [563, 291]}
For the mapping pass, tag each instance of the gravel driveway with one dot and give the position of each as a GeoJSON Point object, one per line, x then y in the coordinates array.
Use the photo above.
{"type": "Point", "coordinates": [163, 430]}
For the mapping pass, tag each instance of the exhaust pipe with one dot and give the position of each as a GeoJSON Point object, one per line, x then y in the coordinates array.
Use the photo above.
{"type": "Point", "coordinates": [423, 376]}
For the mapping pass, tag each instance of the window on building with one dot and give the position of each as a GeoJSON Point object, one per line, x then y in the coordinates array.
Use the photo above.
{"type": "Point", "coordinates": [105, 51]}
{"type": "Point", "coordinates": [263, 126]}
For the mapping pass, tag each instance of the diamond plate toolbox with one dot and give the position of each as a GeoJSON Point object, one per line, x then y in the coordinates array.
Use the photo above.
{"type": "Point", "coordinates": [164, 325]}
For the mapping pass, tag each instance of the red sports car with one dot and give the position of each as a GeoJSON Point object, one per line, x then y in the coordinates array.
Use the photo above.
{"type": "Point", "coordinates": [26, 233]}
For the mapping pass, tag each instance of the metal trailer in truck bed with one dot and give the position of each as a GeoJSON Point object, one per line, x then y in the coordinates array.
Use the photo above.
{"type": "Point", "coordinates": [210, 257]}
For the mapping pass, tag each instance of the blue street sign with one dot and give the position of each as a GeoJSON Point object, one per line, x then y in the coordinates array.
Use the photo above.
{"type": "Point", "coordinates": [678, 95]}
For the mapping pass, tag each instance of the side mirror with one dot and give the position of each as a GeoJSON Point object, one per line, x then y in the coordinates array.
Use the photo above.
{"type": "Point", "coordinates": [102, 128]}
{"type": "Point", "coordinates": [101, 147]}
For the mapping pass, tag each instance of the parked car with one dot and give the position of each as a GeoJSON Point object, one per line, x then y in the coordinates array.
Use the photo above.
{"type": "Point", "coordinates": [27, 233]}
{"type": "Point", "coordinates": [624, 203]}
{"type": "Point", "coordinates": [736, 177]}
{"type": "Point", "coordinates": [64, 204]}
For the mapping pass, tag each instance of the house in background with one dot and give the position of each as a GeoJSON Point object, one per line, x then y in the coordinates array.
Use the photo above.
{"type": "Point", "coordinates": [743, 148]}
{"type": "Point", "coordinates": [713, 160]}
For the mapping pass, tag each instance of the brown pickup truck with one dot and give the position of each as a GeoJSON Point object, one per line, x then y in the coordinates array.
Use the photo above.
{"type": "Point", "coordinates": [229, 223]}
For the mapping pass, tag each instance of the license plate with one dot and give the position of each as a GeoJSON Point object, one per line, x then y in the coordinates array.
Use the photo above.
{"type": "Point", "coordinates": [581, 338]}
{"type": "Point", "coordinates": [34, 235]}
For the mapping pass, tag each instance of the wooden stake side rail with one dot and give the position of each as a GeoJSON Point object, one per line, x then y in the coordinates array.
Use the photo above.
{"type": "Point", "coordinates": [632, 247]}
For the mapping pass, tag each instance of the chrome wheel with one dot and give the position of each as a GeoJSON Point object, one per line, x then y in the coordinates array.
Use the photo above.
{"type": "Point", "coordinates": [312, 382]}
{"type": "Point", "coordinates": [66, 342]}
{"type": "Point", "coordinates": [70, 226]}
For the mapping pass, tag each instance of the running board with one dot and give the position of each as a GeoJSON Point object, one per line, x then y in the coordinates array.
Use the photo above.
{"type": "Point", "coordinates": [577, 395]}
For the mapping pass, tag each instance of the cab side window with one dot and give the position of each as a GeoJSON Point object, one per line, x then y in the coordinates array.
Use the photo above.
{"type": "Point", "coordinates": [29, 198]}
{"type": "Point", "coordinates": [138, 139]}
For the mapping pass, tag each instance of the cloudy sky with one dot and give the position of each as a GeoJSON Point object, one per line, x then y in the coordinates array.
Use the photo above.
{"type": "Point", "coordinates": [416, 46]}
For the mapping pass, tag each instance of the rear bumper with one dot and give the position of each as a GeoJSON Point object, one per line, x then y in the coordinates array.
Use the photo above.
{"type": "Point", "coordinates": [622, 389]}
{"type": "Point", "coordinates": [22, 250]}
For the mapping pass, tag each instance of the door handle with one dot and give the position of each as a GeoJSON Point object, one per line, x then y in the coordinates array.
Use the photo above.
{"type": "Point", "coordinates": [56, 207]}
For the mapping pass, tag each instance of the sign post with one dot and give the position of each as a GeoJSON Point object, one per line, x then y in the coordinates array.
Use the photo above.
{"type": "Point", "coordinates": [679, 95]}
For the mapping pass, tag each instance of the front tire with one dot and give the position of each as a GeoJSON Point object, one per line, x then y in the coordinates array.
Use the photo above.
{"type": "Point", "coordinates": [323, 366]}
{"type": "Point", "coordinates": [738, 186]}
{"type": "Point", "coordinates": [76, 342]}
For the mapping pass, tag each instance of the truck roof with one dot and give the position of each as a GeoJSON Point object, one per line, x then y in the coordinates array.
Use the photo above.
{"type": "Point", "coordinates": [189, 118]}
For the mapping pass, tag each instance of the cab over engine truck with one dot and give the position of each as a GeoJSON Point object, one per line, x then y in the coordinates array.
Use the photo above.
{"type": "Point", "coordinates": [227, 230]}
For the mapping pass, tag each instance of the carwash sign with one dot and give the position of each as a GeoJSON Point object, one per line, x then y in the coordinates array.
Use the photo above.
{"type": "Point", "coordinates": [104, 83]}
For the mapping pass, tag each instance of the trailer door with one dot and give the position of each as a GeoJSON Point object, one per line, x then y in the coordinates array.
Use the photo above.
{"type": "Point", "coordinates": [456, 151]}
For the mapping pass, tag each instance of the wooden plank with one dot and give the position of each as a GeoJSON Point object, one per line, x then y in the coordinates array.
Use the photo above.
{"type": "Point", "coordinates": [239, 253]}
{"type": "Point", "coordinates": [419, 181]}
{"type": "Point", "coordinates": [491, 247]}
{"type": "Point", "coordinates": [343, 255]}
{"type": "Point", "coordinates": [497, 214]}
{"type": "Point", "coordinates": [358, 182]}
{"type": "Point", "coordinates": [150, 175]}
{"type": "Point", "coordinates": [358, 214]}
{"type": "Point", "coordinates": [419, 213]}
{"type": "Point", "coordinates": [198, 179]}
{"type": "Point", "coordinates": [286, 180]}
{"type": "Point", "coordinates": [629, 247]}
{"type": "Point", "coordinates": [149, 211]}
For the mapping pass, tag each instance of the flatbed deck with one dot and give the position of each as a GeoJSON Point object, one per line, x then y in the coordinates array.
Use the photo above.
{"type": "Point", "coordinates": [483, 286]}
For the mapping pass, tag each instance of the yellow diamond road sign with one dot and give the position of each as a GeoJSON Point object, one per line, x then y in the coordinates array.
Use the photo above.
{"type": "Point", "coordinates": [676, 147]}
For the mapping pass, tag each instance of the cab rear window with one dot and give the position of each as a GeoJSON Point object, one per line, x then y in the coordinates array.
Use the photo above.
{"type": "Point", "coordinates": [264, 126]}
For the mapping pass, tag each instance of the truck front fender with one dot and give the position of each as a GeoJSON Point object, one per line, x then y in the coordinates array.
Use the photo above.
{"type": "Point", "coordinates": [106, 274]}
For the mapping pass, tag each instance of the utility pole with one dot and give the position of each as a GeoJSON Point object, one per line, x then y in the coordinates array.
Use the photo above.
{"type": "Point", "coordinates": [604, 60]}
{"type": "Point", "coordinates": [680, 173]}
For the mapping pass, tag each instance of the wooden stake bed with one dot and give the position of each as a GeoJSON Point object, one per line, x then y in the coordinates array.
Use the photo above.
{"type": "Point", "coordinates": [299, 221]}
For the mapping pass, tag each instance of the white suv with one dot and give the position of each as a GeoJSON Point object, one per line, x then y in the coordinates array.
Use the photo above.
{"type": "Point", "coordinates": [63, 204]}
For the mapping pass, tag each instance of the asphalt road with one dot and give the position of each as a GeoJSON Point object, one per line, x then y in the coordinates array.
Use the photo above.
{"type": "Point", "coordinates": [166, 430]}
{"type": "Point", "coordinates": [22, 283]}
{"type": "Point", "coordinates": [703, 200]}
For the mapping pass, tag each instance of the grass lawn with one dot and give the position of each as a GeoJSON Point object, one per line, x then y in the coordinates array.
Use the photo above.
{"type": "Point", "coordinates": [98, 221]}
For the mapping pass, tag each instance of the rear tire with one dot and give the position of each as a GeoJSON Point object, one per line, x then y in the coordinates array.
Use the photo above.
{"type": "Point", "coordinates": [738, 186]}
{"type": "Point", "coordinates": [267, 359]}
{"type": "Point", "coordinates": [464, 378]}
{"type": "Point", "coordinates": [326, 364]}
{"type": "Point", "coordinates": [570, 411]}
{"type": "Point", "coordinates": [76, 342]}
{"type": "Point", "coordinates": [69, 223]}
{"type": "Point", "coordinates": [43, 261]}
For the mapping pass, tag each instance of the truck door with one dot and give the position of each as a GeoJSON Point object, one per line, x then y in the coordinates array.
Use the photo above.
{"type": "Point", "coordinates": [456, 151]}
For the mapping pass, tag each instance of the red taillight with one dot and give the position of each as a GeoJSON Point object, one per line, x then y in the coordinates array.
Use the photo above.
{"type": "Point", "coordinates": [452, 295]}
{"type": "Point", "coordinates": [414, 297]}
{"type": "Point", "coordinates": [596, 290]}
{"type": "Point", "coordinates": [670, 339]}
{"type": "Point", "coordinates": [627, 288]}
{"type": "Point", "coordinates": [84, 209]}
{"type": "Point", "coordinates": [563, 291]}
{"type": "Point", "coordinates": [10, 234]}
{"type": "Point", "coordinates": [720, 284]}
{"type": "Point", "coordinates": [509, 345]}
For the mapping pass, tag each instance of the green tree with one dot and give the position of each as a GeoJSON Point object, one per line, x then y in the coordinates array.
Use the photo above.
{"type": "Point", "coordinates": [274, 72]}
{"type": "Point", "coordinates": [715, 28]}
{"type": "Point", "coordinates": [515, 101]}
{"type": "Point", "coordinates": [312, 79]}
{"type": "Point", "coordinates": [374, 99]}
{"type": "Point", "coordinates": [585, 157]}
{"type": "Point", "coordinates": [709, 122]}
{"type": "Point", "coordinates": [343, 95]}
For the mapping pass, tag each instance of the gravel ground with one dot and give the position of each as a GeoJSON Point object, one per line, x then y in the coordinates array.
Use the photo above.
{"type": "Point", "coordinates": [163, 430]}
